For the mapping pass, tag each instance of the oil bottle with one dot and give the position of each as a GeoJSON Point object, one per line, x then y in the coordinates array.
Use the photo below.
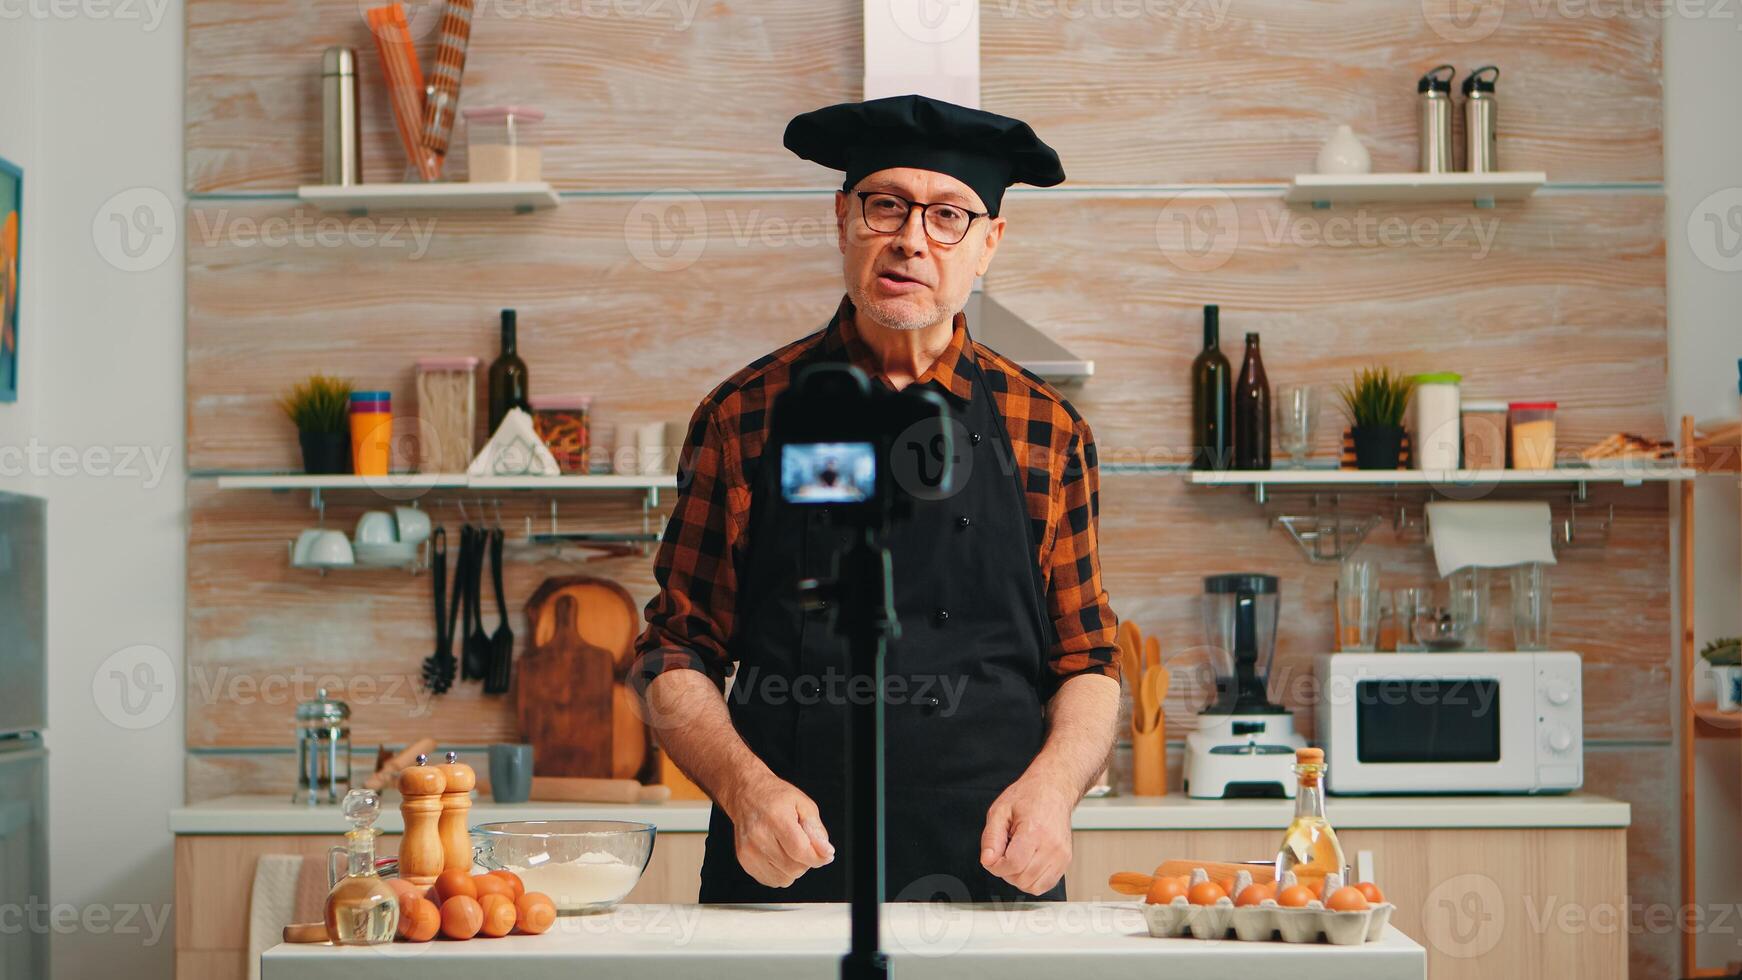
{"type": "Point", "coordinates": [1309, 847]}
{"type": "Point", "coordinates": [361, 909]}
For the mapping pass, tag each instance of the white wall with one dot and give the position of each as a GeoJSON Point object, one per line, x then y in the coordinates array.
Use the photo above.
{"type": "Point", "coordinates": [1702, 158]}
{"type": "Point", "coordinates": [92, 107]}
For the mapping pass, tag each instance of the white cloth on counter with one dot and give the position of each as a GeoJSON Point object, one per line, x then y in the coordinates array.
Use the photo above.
{"type": "Point", "coordinates": [1489, 533]}
{"type": "Point", "coordinates": [271, 904]}
{"type": "Point", "coordinates": [514, 450]}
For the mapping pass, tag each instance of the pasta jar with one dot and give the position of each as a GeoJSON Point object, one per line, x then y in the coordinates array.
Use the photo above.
{"type": "Point", "coordinates": [1532, 426]}
{"type": "Point", "coordinates": [371, 432]}
{"type": "Point", "coordinates": [447, 413]}
{"type": "Point", "coordinates": [1484, 435]}
{"type": "Point", "coordinates": [1436, 421]}
{"type": "Point", "coordinates": [563, 422]}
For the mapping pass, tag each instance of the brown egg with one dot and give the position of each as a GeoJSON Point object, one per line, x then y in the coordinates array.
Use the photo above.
{"type": "Point", "coordinates": [419, 919]}
{"type": "Point", "coordinates": [499, 914]}
{"type": "Point", "coordinates": [1371, 891]}
{"type": "Point", "coordinates": [512, 879]}
{"type": "Point", "coordinates": [454, 882]}
{"type": "Point", "coordinates": [1347, 899]}
{"type": "Point", "coordinates": [1164, 889]}
{"type": "Point", "coordinates": [536, 912]}
{"type": "Point", "coordinates": [492, 885]}
{"type": "Point", "coordinates": [1205, 893]}
{"type": "Point", "coordinates": [1294, 896]}
{"type": "Point", "coordinates": [402, 888]}
{"type": "Point", "coordinates": [462, 917]}
{"type": "Point", "coordinates": [1254, 893]}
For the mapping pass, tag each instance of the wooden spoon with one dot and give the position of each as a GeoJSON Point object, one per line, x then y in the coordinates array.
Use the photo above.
{"type": "Point", "coordinates": [1154, 688]}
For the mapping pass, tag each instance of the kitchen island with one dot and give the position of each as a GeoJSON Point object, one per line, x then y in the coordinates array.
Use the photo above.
{"type": "Point", "coordinates": [1039, 940]}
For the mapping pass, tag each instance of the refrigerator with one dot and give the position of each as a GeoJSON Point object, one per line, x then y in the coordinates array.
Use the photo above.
{"type": "Point", "coordinates": [23, 756]}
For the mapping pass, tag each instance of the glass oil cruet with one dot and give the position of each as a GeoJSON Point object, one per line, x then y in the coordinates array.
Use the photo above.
{"type": "Point", "coordinates": [362, 910]}
{"type": "Point", "coordinates": [1309, 847]}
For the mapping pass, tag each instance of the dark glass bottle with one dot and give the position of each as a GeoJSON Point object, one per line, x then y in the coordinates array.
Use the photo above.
{"type": "Point", "coordinates": [507, 377]}
{"type": "Point", "coordinates": [1212, 401]}
{"type": "Point", "coordinates": [1252, 412]}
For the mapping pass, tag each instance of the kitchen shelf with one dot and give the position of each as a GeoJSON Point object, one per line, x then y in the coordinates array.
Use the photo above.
{"type": "Point", "coordinates": [1574, 476]}
{"type": "Point", "coordinates": [519, 198]}
{"type": "Point", "coordinates": [412, 481]}
{"type": "Point", "coordinates": [1323, 190]}
{"type": "Point", "coordinates": [1710, 722]}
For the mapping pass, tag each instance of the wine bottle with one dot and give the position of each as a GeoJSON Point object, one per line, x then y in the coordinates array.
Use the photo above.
{"type": "Point", "coordinates": [1252, 412]}
{"type": "Point", "coordinates": [507, 376]}
{"type": "Point", "coordinates": [1212, 401]}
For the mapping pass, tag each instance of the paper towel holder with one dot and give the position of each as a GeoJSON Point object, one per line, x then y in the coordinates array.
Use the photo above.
{"type": "Point", "coordinates": [1565, 532]}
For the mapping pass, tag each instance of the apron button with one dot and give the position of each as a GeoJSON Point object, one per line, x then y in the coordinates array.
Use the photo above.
{"type": "Point", "coordinates": [808, 688]}
{"type": "Point", "coordinates": [974, 437]}
{"type": "Point", "coordinates": [963, 521]}
{"type": "Point", "coordinates": [928, 705]}
{"type": "Point", "coordinates": [941, 617]}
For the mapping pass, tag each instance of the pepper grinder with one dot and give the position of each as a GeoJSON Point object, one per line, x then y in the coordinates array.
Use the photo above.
{"type": "Point", "coordinates": [454, 826]}
{"type": "Point", "coordinates": [421, 857]}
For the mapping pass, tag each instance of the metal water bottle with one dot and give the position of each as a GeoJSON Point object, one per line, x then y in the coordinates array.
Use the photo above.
{"type": "Point", "coordinates": [1479, 110]}
{"type": "Point", "coordinates": [341, 143]}
{"type": "Point", "coordinates": [1434, 112]}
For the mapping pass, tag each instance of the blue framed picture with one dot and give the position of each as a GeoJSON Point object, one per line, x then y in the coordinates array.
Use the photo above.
{"type": "Point", "coordinates": [11, 209]}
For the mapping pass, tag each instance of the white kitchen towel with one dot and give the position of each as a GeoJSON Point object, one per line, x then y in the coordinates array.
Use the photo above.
{"type": "Point", "coordinates": [1489, 533]}
{"type": "Point", "coordinates": [515, 450]}
{"type": "Point", "coordinates": [271, 904]}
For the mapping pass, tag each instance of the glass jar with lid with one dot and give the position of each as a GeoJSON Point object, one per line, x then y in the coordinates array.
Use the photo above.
{"type": "Point", "coordinates": [323, 750]}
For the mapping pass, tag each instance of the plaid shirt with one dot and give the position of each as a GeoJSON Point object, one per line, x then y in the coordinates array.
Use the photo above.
{"type": "Point", "coordinates": [702, 555]}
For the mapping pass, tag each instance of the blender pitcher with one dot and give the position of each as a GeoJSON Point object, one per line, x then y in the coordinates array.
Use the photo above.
{"type": "Point", "coordinates": [1240, 622]}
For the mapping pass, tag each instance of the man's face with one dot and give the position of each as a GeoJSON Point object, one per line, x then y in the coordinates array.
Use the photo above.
{"type": "Point", "coordinates": [904, 280]}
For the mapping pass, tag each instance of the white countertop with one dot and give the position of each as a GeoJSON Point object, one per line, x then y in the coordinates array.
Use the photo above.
{"type": "Point", "coordinates": [277, 815]}
{"type": "Point", "coordinates": [1039, 940]}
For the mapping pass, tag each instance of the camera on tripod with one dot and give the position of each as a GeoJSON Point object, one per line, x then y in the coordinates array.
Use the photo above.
{"type": "Point", "coordinates": [861, 450]}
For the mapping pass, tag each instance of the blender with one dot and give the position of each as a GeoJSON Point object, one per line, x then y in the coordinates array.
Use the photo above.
{"type": "Point", "coordinates": [1244, 745]}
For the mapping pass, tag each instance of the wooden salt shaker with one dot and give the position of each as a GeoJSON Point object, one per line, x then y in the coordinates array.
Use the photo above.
{"type": "Point", "coordinates": [421, 857]}
{"type": "Point", "coordinates": [455, 824]}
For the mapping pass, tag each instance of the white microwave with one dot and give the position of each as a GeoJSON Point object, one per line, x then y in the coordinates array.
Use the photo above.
{"type": "Point", "coordinates": [1396, 723]}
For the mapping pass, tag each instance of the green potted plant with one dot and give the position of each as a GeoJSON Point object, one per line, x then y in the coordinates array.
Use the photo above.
{"type": "Point", "coordinates": [1375, 402]}
{"type": "Point", "coordinates": [320, 409]}
{"type": "Point", "coordinates": [1725, 658]}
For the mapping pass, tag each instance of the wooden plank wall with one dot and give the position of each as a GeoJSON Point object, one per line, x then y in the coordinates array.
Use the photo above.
{"type": "Point", "coordinates": [707, 244]}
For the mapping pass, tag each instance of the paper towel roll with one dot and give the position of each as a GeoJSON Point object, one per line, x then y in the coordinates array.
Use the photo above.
{"type": "Point", "coordinates": [1489, 533]}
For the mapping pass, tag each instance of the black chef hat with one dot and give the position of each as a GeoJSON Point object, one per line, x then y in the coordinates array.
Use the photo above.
{"type": "Point", "coordinates": [984, 150]}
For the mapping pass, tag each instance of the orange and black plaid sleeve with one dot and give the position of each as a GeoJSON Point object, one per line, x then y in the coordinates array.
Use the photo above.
{"type": "Point", "coordinates": [1081, 613]}
{"type": "Point", "coordinates": [691, 619]}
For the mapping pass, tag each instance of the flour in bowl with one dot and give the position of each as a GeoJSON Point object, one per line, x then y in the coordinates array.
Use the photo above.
{"type": "Point", "coordinates": [593, 878]}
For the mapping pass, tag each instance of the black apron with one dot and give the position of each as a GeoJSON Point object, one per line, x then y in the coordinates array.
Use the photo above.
{"type": "Point", "coordinates": [963, 682]}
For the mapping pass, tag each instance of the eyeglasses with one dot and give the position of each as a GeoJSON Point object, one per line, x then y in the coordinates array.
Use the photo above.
{"type": "Point", "coordinates": [946, 224]}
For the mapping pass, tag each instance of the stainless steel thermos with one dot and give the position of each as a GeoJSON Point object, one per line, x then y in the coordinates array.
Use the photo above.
{"type": "Point", "coordinates": [1434, 111]}
{"type": "Point", "coordinates": [341, 147]}
{"type": "Point", "coordinates": [1479, 108]}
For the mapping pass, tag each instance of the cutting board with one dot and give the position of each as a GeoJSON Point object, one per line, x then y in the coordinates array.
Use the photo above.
{"type": "Point", "coordinates": [573, 704]}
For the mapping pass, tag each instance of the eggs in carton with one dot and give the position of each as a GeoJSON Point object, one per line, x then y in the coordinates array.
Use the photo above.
{"type": "Point", "coordinates": [1345, 916]}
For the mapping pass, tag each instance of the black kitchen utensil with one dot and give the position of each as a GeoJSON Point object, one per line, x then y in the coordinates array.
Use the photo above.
{"type": "Point", "coordinates": [438, 667]}
{"type": "Point", "coordinates": [476, 658]}
{"type": "Point", "coordinates": [502, 642]}
{"type": "Point", "coordinates": [459, 610]}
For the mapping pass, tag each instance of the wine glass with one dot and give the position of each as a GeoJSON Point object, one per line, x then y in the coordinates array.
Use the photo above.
{"type": "Point", "coordinates": [1296, 410]}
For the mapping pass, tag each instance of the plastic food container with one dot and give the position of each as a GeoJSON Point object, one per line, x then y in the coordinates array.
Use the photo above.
{"type": "Point", "coordinates": [1532, 425]}
{"type": "Point", "coordinates": [499, 148]}
{"type": "Point", "coordinates": [564, 423]}
{"type": "Point", "coordinates": [447, 413]}
{"type": "Point", "coordinates": [1484, 435]}
{"type": "Point", "coordinates": [371, 432]}
{"type": "Point", "coordinates": [1436, 437]}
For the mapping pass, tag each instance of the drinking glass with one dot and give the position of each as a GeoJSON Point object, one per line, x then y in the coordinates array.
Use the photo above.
{"type": "Point", "coordinates": [1404, 604]}
{"type": "Point", "coordinates": [1530, 607]}
{"type": "Point", "coordinates": [1358, 605]}
{"type": "Point", "coordinates": [1296, 408]}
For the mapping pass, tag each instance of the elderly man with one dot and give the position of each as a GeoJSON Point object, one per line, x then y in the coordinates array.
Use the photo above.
{"type": "Point", "coordinates": [1003, 686]}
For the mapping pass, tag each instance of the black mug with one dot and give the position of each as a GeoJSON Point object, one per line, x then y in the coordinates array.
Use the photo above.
{"type": "Point", "coordinates": [510, 772]}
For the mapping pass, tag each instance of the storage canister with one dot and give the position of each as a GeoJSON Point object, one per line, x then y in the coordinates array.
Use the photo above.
{"type": "Point", "coordinates": [371, 432]}
{"type": "Point", "coordinates": [1484, 435]}
{"type": "Point", "coordinates": [1532, 425]}
{"type": "Point", "coordinates": [563, 422]}
{"type": "Point", "coordinates": [1436, 438]}
{"type": "Point", "coordinates": [447, 413]}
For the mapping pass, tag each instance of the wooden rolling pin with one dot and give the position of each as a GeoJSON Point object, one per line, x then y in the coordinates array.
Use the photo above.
{"type": "Point", "coordinates": [1220, 872]}
{"type": "Point", "coordinates": [388, 771]}
{"type": "Point", "coordinates": [306, 932]}
{"type": "Point", "coordinates": [569, 789]}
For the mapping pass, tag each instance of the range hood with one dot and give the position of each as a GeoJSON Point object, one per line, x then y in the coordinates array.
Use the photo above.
{"type": "Point", "coordinates": [991, 323]}
{"type": "Point", "coordinates": [906, 53]}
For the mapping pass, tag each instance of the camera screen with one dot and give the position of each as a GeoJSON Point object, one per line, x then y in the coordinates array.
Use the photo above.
{"type": "Point", "coordinates": [828, 472]}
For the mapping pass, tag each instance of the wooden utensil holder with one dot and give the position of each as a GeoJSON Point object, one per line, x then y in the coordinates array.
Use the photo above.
{"type": "Point", "coordinates": [1149, 761]}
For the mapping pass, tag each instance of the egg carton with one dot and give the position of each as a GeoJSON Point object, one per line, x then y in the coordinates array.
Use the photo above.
{"type": "Point", "coordinates": [1267, 920]}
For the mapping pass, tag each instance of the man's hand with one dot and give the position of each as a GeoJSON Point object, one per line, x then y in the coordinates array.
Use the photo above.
{"type": "Point", "coordinates": [1027, 840]}
{"type": "Point", "coordinates": [780, 835]}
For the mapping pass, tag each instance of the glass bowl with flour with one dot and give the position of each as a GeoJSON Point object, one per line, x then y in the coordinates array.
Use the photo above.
{"type": "Point", "coordinates": [583, 865]}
